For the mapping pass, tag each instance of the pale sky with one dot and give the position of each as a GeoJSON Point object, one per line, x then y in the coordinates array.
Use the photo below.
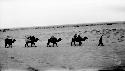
{"type": "Point", "coordinates": [29, 13]}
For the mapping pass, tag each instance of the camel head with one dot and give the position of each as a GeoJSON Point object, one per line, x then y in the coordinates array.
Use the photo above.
{"type": "Point", "coordinates": [85, 37]}
{"type": "Point", "coordinates": [13, 40]}
{"type": "Point", "coordinates": [36, 39]}
{"type": "Point", "coordinates": [59, 39]}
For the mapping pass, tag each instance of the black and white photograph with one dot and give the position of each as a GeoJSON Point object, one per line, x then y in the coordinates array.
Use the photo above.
{"type": "Point", "coordinates": [62, 35]}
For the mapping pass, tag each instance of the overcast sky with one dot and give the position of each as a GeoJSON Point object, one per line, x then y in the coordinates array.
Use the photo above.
{"type": "Point", "coordinates": [28, 13]}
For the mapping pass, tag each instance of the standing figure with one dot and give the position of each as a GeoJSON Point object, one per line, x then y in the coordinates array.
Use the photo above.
{"type": "Point", "coordinates": [74, 37]}
{"type": "Point", "coordinates": [79, 38]}
{"type": "Point", "coordinates": [100, 41]}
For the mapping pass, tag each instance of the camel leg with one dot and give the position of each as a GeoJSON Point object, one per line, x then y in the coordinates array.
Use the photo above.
{"type": "Point", "coordinates": [48, 44]}
{"type": "Point", "coordinates": [98, 44]}
{"type": "Point", "coordinates": [56, 44]}
{"type": "Point", "coordinates": [71, 43]}
{"type": "Point", "coordinates": [74, 43]}
{"type": "Point", "coordinates": [31, 45]}
{"type": "Point", "coordinates": [80, 43]}
{"type": "Point", "coordinates": [34, 44]}
{"type": "Point", "coordinates": [8, 46]}
{"type": "Point", "coordinates": [25, 45]}
{"type": "Point", "coordinates": [53, 44]}
{"type": "Point", "coordinates": [5, 45]}
{"type": "Point", "coordinates": [11, 45]}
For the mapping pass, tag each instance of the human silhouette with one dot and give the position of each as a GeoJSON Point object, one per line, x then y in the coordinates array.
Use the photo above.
{"type": "Point", "coordinates": [75, 36]}
{"type": "Point", "coordinates": [100, 41]}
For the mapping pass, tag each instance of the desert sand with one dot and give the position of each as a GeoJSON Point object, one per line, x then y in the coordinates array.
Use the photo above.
{"type": "Point", "coordinates": [66, 57]}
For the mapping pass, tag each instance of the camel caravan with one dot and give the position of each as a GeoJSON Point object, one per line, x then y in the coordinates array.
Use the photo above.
{"type": "Point", "coordinates": [52, 40]}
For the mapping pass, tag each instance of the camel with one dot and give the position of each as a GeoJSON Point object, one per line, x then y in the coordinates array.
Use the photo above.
{"type": "Point", "coordinates": [9, 41]}
{"type": "Point", "coordinates": [32, 40]}
{"type": "Point", "coordinates": [78, 39]}
{"type": "Point", "coordinates": [53, 40]}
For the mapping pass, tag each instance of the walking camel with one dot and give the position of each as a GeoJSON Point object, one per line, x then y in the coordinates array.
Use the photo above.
{"type": "Point", "coordinates": [53, 40]}
{"type": "Point", "coordinates": [9, 41]}
{"type": "Point", "coordinates": [31, 40]}
{"type": "Point", "coordinates": [78, 39]}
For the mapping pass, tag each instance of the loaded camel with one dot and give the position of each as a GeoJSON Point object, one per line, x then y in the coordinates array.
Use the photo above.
{"type": "Point", "coordinates": [31, 40]}
{"type": "Point", "coordinates": [9, 41]}
{"type": "Point", "coordinates": [78, 39]}
{"type": "Point", "coordinates": [53, 40]}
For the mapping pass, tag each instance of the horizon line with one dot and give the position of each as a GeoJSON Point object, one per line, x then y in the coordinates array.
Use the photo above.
{"type": "Point", "coordinates": [66, 25]}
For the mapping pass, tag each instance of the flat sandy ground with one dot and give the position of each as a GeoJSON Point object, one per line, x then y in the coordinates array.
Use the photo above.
{"type": "Point", "coordinates": [89, 55]}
